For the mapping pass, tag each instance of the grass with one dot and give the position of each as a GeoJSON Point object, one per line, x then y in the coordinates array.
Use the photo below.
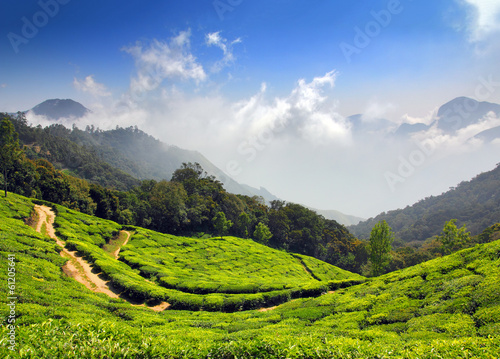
{"type": "Point", "coordinates": [212, 274]}
{"type": "Point", "coordinates": [448, 308]}
{"type": "Point", "coordinates": [230, 265]}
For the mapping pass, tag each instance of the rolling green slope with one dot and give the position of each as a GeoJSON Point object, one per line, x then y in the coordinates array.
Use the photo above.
{"type": "Point", "coordinates": [212, 274]}
{"type": "Point", "coordinates": [448, 307]}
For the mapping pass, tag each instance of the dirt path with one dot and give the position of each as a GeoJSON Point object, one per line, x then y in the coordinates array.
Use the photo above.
{"type": "Point", "coordinates": [77, 267]}
{"type": "Point", "coordinates": [117, 252]}
{"type": "Point", "coordinates": [267, 309]}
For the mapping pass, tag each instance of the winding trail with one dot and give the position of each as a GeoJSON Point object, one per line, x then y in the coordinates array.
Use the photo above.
{"type": "Point", "coordinates": [79, 269]}
{"type": "Point", "coordinates": [116, 253]}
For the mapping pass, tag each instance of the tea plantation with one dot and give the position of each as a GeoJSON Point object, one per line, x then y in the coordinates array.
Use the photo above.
{"type": "Point", "coordinates": [445, 308]}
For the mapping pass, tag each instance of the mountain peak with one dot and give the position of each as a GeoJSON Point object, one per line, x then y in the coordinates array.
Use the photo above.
{"type": "Point", "coordinates": [462, 112]}
{"type": "Point", "coordinates": [55, 109]}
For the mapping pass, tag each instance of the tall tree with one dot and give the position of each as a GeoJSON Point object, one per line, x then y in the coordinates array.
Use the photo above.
{"type": "Point", "coordinates": [452, 237]}
{"type": "Point", "coordinates": [168, 207]}
{"type": "Point", "coordinates": [243, 224]}
{"type": "Point", "coordinates": [9, 149]}
{"type": "Point", "coordinates": [221, 224]}
{"type": "Point", "coordinates": [381, 238]}
{"type": "Point", "coordinates": [262, 234]}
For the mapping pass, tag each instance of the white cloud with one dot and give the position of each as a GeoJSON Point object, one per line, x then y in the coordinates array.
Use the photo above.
{"type": "Point", "coordinates": [214, 39]}
{"type": "Point", "coordinates": [303, 114]}
{"type": "Point", "coordinates": [376, 110]}
{"type": "Point", "coordinates": [160, 60]}
{"type": "Point", "coordinates": [308, 96]}
{"type": "Point", "coordinates": [462, 141]}
{"type": "Point", "coordinates": [91, 86]}
{"type": "Point", "coordinates": [322, 128]}
{"type": "Point", "coordinates": [3, 86]}
{"type": "Point", "coordinates": [427, 119]}
{"type": "Point", "coordinates": [484, 18]}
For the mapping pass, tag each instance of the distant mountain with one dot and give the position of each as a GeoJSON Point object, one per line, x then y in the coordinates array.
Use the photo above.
{"type": "Point", "coordinates": [345, 219]}
{"type": "Point", "coordinates": [406, 128]}
{"type": "Point", "coordinates": [454, 115]}
{"type": "Point", "coordinates": [261, 192]}
{"type": "Point", "coordinates": [56, 109]}
{"type": "Point", "coordinates": [475, 203]}
{"type": "Point", "coordinates": [462, 112]}
{"type": "Point", "coordinates": [133, 151]}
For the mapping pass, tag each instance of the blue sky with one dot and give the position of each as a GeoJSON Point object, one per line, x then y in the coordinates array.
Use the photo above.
{"type": "Point", "coordinates": [281, 41]}
{"type": "Point", "coordinates": [196, 72]}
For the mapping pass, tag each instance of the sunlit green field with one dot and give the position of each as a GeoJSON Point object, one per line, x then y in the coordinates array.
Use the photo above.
{"type": "Point", "coordinates": [448, 307]}
{"type": "Point", "coordinates": [215, 274]}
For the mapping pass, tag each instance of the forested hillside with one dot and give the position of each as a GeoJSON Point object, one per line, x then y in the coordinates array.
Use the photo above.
{"type": "Point", "coordinates": [474, 203]}
{"type": "Point", "coordinates": [53, 143]}
{"type": "Point", "coordinates": [95, 155]}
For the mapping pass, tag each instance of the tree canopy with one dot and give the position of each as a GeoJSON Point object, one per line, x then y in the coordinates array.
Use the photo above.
{"type": "Point", "coordinates": [262, 233]}
{"type": "Point", "coordinates": [452, 237]}
{"type": "Point", "coordinates": [381, 238]}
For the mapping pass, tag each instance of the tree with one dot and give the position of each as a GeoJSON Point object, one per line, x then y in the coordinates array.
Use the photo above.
{"type": "Point", "coordinates": [262, 233]}
{"type": "Point", "coordinates": [243, 224]}
{"type": "Point", "coordinates": [9, 149]}
{"type": "Point", "coordinates": [452, 237]}
{"type": "Point", "coordinates": [221, 224]}
{"type": "Point", "coordinates": [381, 238]}
{"type": "Point", "coordinates": [168, 207]}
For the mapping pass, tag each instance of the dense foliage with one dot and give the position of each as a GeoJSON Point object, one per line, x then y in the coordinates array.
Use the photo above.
{"type": "Point", "coordinates": [475, 203]}
{"type": "Point", "coordinates": [448, 307]}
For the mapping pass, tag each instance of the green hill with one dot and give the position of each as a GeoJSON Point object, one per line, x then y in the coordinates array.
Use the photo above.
{"type": "Point", "coordinates": [448, 307]}
{"type": "Point", "coordinates": [212, 274]}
